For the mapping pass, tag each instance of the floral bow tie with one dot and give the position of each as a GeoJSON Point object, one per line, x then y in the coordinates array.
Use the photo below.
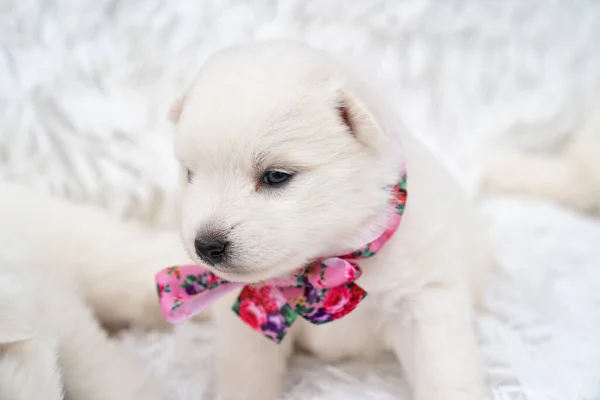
{"type": "Point", "coordinates": [322, 292]}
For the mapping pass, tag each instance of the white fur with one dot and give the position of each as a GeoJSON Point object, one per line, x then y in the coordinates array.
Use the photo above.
{"type": "Point", "coordinates": [275, 106]}
{"type": "Point", "coordinates": [87, 85]}
{"type": "Point", "coordinates": [62, 267]}
{"type": "Point", "coordinates": [570, 178]}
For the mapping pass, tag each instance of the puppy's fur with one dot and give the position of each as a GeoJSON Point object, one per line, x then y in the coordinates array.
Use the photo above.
{"type": "Point", "coordinates": [284, 106]}
{"type": "Point", "coordinates": [63, 268]}
{"type": "Point", "coordinates": [570, 178]}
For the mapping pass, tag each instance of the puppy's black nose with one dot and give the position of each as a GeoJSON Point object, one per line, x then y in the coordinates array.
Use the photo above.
{"type": "Point", "coordinates": [210, 249]}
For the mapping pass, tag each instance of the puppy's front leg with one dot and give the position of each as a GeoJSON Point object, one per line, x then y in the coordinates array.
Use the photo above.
{"type": "Point", "coordinates": [29, 370]}
{"type": "Point", "coordinates": [94, 367]}
{"type": "Point", "coordinates": [249, 365]}
{"type": "Point", "coordinates": [437, 345]}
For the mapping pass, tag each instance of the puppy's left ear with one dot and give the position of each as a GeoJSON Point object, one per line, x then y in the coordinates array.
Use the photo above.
{"type": "Point", "coordinates": [360, 122]}
{"type": "Point", "coordinates": [176, 109]}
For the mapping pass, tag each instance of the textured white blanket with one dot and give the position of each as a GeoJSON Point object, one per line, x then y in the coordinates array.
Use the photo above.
{"type": "Point", "coordinates": [84, 88]}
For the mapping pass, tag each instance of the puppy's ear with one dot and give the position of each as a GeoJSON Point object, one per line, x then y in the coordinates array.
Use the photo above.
{"type": "Point", "coordinates": [175, 110]}
{"type": "Point", "coordinates": [359, 121]}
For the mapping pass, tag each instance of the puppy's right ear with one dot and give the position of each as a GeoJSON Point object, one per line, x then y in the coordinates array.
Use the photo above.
{"type": "Point", "coordinates": [358, 120]}
{"type": "Point", "coordinates": [176, 109]}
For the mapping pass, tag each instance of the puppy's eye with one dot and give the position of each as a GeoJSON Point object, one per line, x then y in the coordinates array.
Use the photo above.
{"type": "Point", "coordinates": [275, 178]}
{"type": "Point", "coordinates": [190, 176]}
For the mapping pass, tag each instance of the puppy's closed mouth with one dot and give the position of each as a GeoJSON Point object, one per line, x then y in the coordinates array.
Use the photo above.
{"type": "Point", "coordinates": [236, 273]}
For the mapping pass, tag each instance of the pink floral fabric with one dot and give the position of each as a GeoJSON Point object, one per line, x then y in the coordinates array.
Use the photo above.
{"type": "Point", "coordinates": [322, 292]}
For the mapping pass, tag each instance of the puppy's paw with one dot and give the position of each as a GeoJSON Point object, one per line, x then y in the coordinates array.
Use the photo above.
{"type": "Point", "coordinates": [236, 393]}
{"type": "Point", "coordinates": [473, 392]}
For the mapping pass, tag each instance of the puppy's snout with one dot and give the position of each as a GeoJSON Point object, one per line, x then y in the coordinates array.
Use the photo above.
{"type": "Point", "coordinates": [211, 249]}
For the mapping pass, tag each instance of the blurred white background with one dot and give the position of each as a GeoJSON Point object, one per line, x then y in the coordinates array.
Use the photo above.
{"type": "Point", "coordinates": [85, 85]}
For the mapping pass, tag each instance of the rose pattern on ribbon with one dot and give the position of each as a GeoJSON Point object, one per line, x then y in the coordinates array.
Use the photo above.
{"type": "Point", "coordinates": [322, 292]}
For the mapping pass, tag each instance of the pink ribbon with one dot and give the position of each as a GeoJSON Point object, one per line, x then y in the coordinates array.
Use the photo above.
{"type": "Point", "coordinates": [323, 292]}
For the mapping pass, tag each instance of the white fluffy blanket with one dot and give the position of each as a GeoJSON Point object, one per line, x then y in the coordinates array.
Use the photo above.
{"type": "Point", "coordinates": [84, 88]}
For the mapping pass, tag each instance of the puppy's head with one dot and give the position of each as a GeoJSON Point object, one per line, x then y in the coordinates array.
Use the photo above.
{"type": "Point", "coordinates": [281, 162]}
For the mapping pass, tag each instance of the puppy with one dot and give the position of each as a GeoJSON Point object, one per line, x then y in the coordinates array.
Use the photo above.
{"type": "Point", "coordinates": [64, 270]}
{"type": "Point", "coordinates": [570, 178]}
{"type": "Point", "coordinates": [287, 110]}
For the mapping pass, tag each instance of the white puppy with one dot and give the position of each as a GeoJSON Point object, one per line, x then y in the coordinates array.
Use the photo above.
{"type": "Point", "coordinates": [290, 109]}
{"type": "Point", "coordinates": [570, 178]}
{"type": "Point", "coordinates": [62, 267]}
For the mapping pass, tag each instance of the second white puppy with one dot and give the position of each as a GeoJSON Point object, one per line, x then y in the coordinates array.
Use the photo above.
{"type": "Point", "coordinates": [570, 178]}
{"type": "Point", "coordinates": [287, 158]}
{"type": "Point", "coordinates": [66, 271]}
